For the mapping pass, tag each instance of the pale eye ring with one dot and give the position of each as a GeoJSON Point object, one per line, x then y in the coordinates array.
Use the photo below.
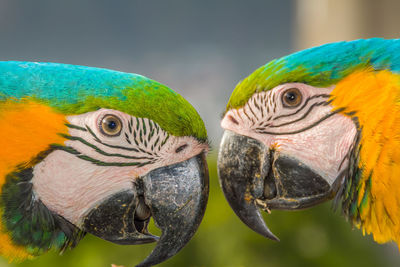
{"type": "Point", "coordinates": [291, 98]}
{"type": "Point", "coordinates": [110, 125]}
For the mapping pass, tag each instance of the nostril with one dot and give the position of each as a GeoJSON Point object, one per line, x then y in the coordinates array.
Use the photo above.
{"type": "Point", "coordinates": [232, 119]}
{"type": "Point", "coordinates": [269, 186]}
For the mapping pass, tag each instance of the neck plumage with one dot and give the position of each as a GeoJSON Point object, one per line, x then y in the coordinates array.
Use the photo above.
{"type": "Point", "coordinates": [371, 192]}
{"type": "Point", "coordinates": [27, 227]}
{"type": "Point", "coordinates": [28, 221]}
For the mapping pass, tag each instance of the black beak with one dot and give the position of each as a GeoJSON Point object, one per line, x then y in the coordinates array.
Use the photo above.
{"type": "Point", "coordinates": [253, 176]}
{"type": "Point", "coordinates": [175, 196]}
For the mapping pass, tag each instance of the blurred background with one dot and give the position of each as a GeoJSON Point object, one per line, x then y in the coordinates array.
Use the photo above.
{"type": "Point", "coordinates": [202, 49]}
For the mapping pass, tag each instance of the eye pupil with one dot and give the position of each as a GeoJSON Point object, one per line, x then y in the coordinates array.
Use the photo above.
{"type": "Point", "coordinates": [112, 125]}
{"type": "Point", "coordinates": [290, 96]}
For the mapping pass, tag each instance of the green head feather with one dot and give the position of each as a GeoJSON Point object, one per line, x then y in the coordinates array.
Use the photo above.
{"type": "Point", "coordinates": [77, 89]}
{"type": "Point", "coordinates": [319, 66]}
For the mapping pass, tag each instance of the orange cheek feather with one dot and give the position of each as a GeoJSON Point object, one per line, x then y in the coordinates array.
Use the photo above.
{"type": "Point", "coordinates": [26, 129]}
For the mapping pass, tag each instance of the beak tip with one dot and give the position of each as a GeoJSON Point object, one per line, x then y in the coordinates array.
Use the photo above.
{"type": "Point", "coordinates": [271, 236]}
{"type": "Point", "coordinates": [238, 163]}
{"type": "Point", "coordinates": [255, 222]}
{"type": "Point", "coordinates": [177, 196]}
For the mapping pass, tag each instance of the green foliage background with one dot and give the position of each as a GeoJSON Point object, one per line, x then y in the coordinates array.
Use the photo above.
{"type": "Point", "coordinates": [313, 237]}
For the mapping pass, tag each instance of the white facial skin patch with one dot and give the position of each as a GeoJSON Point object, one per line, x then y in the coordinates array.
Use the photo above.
{"type": "Point", "coordinates": [312, 132]}
{"type": "Point", "coordinates": [93, 165]}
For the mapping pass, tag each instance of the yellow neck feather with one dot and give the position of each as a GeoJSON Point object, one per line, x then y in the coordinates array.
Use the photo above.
{"type": "Point", "coordinates": [26, 129]}
{"type": "Point", "coordinates": [375, 99]}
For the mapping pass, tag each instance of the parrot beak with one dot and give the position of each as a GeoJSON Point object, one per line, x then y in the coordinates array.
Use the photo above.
{"type": "Point", "coordinates": [175, 196]}
{"type": "Point", "coordinates": [253, 177]}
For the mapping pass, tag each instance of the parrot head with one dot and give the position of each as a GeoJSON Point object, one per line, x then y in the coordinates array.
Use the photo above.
{"type": "Point", "coordinates": [87, 150]}
{"type": "Point", "coordinates": [320, 124]}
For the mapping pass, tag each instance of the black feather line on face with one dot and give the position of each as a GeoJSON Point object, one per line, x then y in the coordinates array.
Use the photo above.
{"type": "Point", "coordinates": [98, 150]}
{"type": "Point", "coordinates": [304, 116]}
{"type": "Point", "coordinates": [73, 126]}
{"type": "Point", "coordinates": [75, 152]}
{"type": "Point", "coordinates": [141, 135]}
{"type": "Point", "coordinates": [28, 220]}
{"type": "Point", "coordinates": [303, 129]}
{"type": "Point", "coordinates": [325, 96]}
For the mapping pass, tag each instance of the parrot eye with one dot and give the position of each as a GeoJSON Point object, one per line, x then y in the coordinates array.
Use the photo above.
{"type": "Point", "coordinates": [291, 98]}
{"type": "Point", "coordinates": [110, 125]}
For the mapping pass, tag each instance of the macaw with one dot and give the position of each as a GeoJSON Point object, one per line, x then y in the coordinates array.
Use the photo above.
{"type": "Point", "coordinates": [316, 125]}
{"type": "Point", "coordinates": [90, 150]}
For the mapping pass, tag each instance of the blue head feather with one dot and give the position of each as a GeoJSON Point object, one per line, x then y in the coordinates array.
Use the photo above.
{"type": "Point", "coordinates": [71, 89]}
{"type": "Point", "coordinates": [320, 66]}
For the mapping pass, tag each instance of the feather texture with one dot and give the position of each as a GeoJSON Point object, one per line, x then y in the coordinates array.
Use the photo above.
{"type": "Point", "coordinates": [320, 66]}
{"type": "Point", "coordinates": [374, 99]}
{"type": "Point", "coordinates": [26, 129]}
{"type": "Point", "coordinates": [72, 89]}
